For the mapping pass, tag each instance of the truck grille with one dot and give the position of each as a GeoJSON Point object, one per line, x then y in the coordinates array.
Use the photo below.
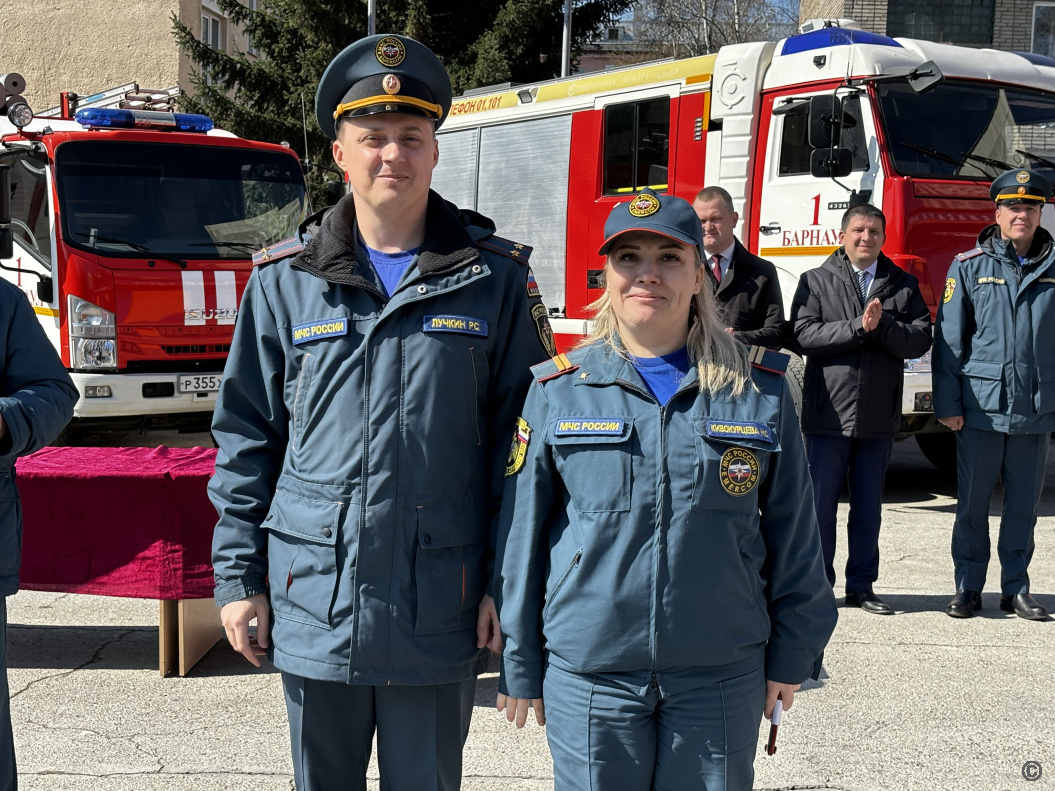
{"type": "Point", "coordinates": [201, 349]}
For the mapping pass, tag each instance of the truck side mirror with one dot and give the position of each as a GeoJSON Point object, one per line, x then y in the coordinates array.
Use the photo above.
{"type": "Point", "coordinates": [831, 163]}
{"type": "Point", "coordinates": [6, 237]}
{"type": "Point", "coordinates": [334, 191]}
{"type": "Point", "coordinates": [925, 76]}
{"type": "Point", "coordinates": [824, 110]}
{"type": "Point", "coordinates": [46, 290]}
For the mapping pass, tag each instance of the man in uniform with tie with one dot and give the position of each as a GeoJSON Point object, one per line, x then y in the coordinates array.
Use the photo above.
{"type": "Point", "coordinates": [745, 285]}
{"type": "Point", "coordinates": [856, 318]}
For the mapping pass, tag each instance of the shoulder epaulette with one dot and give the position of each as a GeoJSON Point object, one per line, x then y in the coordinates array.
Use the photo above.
{"type": "Point", "coordinates": [969, 254]}
{"type": "Point", "coordinates": [283, 249]}
{"type": "Point", "coordinates": [768, 360]}
{"type": "Point", "coordinates": [552, 368]}
{"type": "Point", "coordinates": [510, 249]}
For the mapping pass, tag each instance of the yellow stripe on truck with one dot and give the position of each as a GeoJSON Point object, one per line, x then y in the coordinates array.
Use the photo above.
{"type": "Point", "coordinates": [769, 252]}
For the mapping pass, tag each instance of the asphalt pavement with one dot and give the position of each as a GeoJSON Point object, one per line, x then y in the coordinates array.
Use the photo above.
{"type": "Point", "coordinates": [916, 700]}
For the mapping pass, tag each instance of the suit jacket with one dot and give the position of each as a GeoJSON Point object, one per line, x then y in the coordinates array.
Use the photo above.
{"type": "Point", "coordinates": [854, 378]}
{"type": "Point", "coordinates": [749, 294]}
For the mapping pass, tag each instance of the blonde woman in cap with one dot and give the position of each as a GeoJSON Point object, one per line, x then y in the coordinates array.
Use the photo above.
{"type": "Point", "coordinates": [660, 575]}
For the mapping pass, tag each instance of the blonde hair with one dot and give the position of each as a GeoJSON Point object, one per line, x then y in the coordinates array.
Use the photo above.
{"type": "Point", "coordinates": [720, 360]}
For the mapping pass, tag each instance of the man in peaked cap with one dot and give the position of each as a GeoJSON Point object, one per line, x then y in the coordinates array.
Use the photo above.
{"type": "Point", "coordinates": [377, 370]}
{"type": "Point", "coordinates": [994, 385]}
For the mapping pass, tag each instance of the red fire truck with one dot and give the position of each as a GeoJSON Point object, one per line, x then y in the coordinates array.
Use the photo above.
{"type": "Point", "coordinates": [133, 233]}
{"type": "Point", "coordinates": [795, 130]}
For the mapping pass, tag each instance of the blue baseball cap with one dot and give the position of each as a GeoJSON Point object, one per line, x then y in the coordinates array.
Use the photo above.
{"type": "Point", "coordinates": [666, 215]}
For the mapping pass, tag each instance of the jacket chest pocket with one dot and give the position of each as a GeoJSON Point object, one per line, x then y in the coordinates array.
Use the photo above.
{"type": "Point", "coordinates": [450, 568]}
{"type": "Point", "coordinates": [729, 469]}
{"type": "Point", "coordinates": [983, 386]}
{"type": "Point", "coordinates": [302, 557]}
{"type": "Point", "coordinates": [595, 467]}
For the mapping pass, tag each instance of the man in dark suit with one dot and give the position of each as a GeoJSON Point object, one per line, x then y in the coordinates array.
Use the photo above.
{"type": "Point", "coordinates": [746, 286]}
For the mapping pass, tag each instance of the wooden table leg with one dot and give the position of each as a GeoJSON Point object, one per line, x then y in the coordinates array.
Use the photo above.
{"type": "Point", "coordinates": [168, 636]}
{"type": "Point", "coordinates": [187, 629]}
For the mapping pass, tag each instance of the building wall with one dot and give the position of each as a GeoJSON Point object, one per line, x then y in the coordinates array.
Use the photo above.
{"type": "Point", "coordinates": [87, 45]}
{"type": "Point", "coordinates": [869, 14]}
{"type": "Point", "coordinates": [822, 9]}
{"type": "Point", "coordinates": [84, 46]}
{"type": "Point", "coordinates": [1013, 25]}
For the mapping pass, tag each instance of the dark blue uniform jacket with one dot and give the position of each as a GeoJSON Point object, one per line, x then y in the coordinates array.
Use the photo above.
{"type": "Point", "coordinates": [36, 402]}
{"type": "Point", "coordinates": [362, 448]}
{"type": "Point", "coordinates": [638, 537]}
{"type": "Point", "coordinates": [994, 349]}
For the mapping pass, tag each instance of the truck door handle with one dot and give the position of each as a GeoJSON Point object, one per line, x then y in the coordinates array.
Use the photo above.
{"type": "Point", "coordinates": [770, 229]}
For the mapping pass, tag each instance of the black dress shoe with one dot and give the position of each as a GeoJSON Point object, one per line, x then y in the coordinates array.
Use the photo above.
{"type": "Point", "coordinates": [1024, 606]}
{"type": "Point", "coordinates": [964, 604]}
{"type": "Point", "coordinates": [868, 602]}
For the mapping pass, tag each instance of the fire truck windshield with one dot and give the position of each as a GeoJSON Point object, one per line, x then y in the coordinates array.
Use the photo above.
{"type": "Point", "coordinates": [968, 130]}
{"type": "Point", "coordinates": [131, 200]}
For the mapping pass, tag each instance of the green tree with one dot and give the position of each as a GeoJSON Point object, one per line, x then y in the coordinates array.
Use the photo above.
{"type": "Point", "coordinates": [272, 97]}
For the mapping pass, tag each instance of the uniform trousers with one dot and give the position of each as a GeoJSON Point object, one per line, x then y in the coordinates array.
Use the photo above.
{"type": "Point", "coordinates": [618, 732]}
{"type": "Point", "coordinates": [1019, 461]}
{"type": "Point", "coordinates": [8, 773]}
{"type": "Point", "coordinates": [421, 731]}
{"type": "Point", "coordinates": [862, 464]}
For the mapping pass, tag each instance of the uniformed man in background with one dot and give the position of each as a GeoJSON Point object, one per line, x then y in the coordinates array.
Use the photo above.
{"type": "Point", "coordinates": [994, 385]}
{"type": "Point", "coordinates": [363, 424]}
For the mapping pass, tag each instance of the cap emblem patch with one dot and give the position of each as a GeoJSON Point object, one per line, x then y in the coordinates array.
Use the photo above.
{"type": "Point", "coordinates": [1021, 190]}
{"type": "Point", "coordinates": [644, 205]}
{"type": "Point", "coordinates": [1022, 177]}
{"type": "Point", "coordinates": [390, 51]}
{"type": "Point", "coordinates": [391, 84]}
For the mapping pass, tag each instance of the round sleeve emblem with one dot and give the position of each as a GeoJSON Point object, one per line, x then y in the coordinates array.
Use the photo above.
{"type": "Point", "coordinates": [390, 51]}
{"type": "Point", "coordinates": [950, 286]}
{"type": "Point", "coordinates": [1022, 177]}
{"type": "Point", "coordinates": [738, 471]}
{"type": "Point", "coordinates": [644, 205]}
{"type": "Point", "coordinates": [518, 452]}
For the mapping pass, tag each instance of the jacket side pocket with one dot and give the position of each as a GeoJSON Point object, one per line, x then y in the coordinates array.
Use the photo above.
{"type": "Point", "coordinates": [449, 568]}
{"type": "Point", "coordinates": [302, 557]}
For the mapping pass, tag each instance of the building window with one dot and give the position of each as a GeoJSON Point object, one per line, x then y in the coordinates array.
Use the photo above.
{"type": "Point", "coordinates": [252, 5]}
{"type": "Point", "coordinates": [950, 21]}
{"type": "Point", "coordinates": [636, 145]}
{"type": "Point", "coordinates": [1044, 29]}
{"type": "Point", "coordinates": [212, 35]}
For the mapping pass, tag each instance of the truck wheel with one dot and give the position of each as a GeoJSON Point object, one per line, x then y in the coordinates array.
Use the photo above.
{"type": "Point", "coordinates": [940, 450]}
{"type": "Point", "coordinates": [794, 377]}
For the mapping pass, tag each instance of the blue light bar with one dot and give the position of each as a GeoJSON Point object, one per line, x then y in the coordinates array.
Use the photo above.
{"type": "Point", "coordinates": [833, 36]}
{"type": "Point", "coordinates": [143, 119]}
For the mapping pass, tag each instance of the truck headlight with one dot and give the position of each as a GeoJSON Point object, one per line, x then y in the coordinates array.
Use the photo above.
{"type": "Point", "coordinates": [93, 333]}
{"type": "Point", "coordinates": [93, 353]}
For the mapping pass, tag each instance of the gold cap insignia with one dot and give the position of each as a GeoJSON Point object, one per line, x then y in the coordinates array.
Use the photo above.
{"type": "Point", "coordinates": [391, 84]}
{"type": "Point", "coordinates": [644, 205]}
{"type": "Point", "coordinates": [1022, 177]}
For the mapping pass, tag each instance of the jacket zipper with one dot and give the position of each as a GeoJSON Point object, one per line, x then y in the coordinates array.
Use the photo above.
{"type": "Point", "coordinates": [297, 406]}
{"type": "Point", "coordinates": [564, 578]}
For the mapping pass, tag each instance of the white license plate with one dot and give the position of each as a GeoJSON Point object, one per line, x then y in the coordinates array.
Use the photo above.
{"type": "Point", "coordinates": [205, 383]}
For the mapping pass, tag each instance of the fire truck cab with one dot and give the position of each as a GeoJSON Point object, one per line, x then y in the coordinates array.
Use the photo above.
{"type": "Point", "coordinates": [795, 130]}
{"type": "Point", "coordinates": [133, 233]}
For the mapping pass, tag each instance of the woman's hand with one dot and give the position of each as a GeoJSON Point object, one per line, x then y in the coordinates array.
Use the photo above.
{"type": "Point", "coordinates": [785, 691]}
{"type": "Point", "coordinates": [517, 709]}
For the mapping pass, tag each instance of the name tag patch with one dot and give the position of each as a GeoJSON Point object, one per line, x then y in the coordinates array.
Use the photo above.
{"type": "Point", "coordinates": [736, 429]}
{"type": "Point", "coordinates": [998, 280]}
{"type": "Point", "coordinates": [589, 427]}
{"type": "Point", "coordinates": [327, 328]}
{"type": "Point", "coordinates": [1046, 280]}
{"type": "Point", "coordinates": [465, 325]}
